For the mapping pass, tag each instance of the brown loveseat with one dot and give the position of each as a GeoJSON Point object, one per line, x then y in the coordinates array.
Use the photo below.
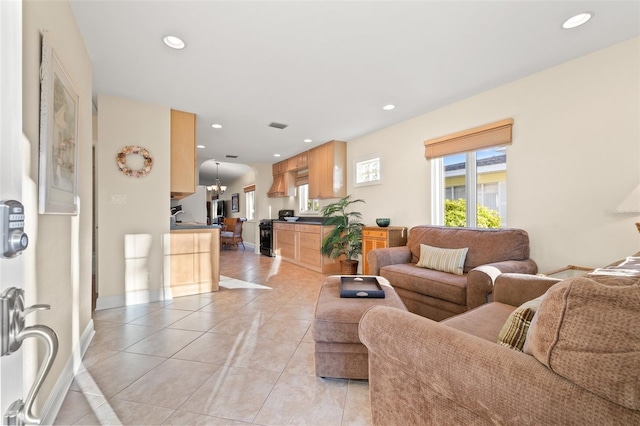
{"type": "Point", "coordinates": [439, 295]}
{"type": "Point", "coordinates": [583, 368]}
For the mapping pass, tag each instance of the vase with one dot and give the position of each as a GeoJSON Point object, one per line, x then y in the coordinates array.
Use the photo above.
{"type": "Point", "coordinates": [349, 267]}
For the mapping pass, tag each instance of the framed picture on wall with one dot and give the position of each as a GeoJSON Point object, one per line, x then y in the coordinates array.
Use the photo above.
{"type": "Point", "coordinates": [58, 180]}
{"type": "Point", "coordinates": [235, 203]}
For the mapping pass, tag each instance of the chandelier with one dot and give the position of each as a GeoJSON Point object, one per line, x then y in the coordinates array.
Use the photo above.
{"type": "Point", "coordinates": [217, 188]}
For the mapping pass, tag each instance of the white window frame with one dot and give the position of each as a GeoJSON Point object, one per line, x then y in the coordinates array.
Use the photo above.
{"type": "Point", "coordinates": [357, 162]}
{"type": "Point", "coordinates": [438, 191]}
{"type": "Point", "coordinates": [250, 200]}
{"type": "Point", "coordinates": [303, 200]}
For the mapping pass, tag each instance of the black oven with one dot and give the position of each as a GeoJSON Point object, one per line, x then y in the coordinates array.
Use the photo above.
{"type": "Point", "coordinates": [266, 237]}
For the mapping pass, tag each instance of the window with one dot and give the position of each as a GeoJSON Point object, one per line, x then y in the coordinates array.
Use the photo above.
{"type": "Point", "coordinates": [306, 204]}
{"type": "Point", "coordinates": [469, 176]}
{"type": "Point", "coordinates": [486, 171]}
{"type": "Point", "coordinates": [366, 171]}
{"type": "Point", "coordinates": [250, 201]}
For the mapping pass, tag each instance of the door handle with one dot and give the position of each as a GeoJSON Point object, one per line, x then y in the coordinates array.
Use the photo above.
{"type": "Point", "coordinates": [14, 332]}
{"type": "Point", "coordinates": [20, 413]}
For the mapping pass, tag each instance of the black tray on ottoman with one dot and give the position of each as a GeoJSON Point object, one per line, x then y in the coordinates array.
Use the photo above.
{"type": "Point", "coordinates": [361, 287]}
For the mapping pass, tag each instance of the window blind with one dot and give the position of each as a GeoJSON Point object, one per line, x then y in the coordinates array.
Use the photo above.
{"type": "Point", "coordinates": [487, 136]}
{"type": "Point", "coordinates": [302, 178]}
{"type": "Point", "coordinates": [249, 188]}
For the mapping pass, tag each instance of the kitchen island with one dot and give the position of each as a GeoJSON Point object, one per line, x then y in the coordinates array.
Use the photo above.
{"type": "Point", "coordinates": [191, 259]}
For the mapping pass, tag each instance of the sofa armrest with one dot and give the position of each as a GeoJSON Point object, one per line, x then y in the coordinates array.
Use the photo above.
{"type": "Point", "coordinates": [424, 372]}
{"type": "Point", "coordinates": [515, 289]}
{"type": "Point", "coordinates": [480, 280]}
{"type": "Point", "coordinates": [387, 256]}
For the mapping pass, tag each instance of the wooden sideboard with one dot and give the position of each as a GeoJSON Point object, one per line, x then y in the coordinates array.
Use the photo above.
{"type": "Point", "coordinates": [375, 237]}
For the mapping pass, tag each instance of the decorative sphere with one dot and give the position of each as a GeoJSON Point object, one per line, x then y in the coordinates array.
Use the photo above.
{"type": "Point", "coordinates": [383, 221]}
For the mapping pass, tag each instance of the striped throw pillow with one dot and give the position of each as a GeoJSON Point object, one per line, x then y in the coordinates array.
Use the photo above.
{"type": "Point", "coordinates": [440, 259]}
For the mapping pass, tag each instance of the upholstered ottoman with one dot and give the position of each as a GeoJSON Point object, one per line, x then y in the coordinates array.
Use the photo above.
{"type": "Point", "coordinates": [338, 350]}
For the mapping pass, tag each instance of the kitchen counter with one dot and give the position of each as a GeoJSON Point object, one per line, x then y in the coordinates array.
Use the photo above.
{"type": "Point", "coordinates": [306, 220]}
{"type": "Point", "coordinates": [192, 225]}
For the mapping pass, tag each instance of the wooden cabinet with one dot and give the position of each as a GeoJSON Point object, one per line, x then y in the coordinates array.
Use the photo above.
{"type": "Point", "coordinates": [300, 244]}
{"type": "Point", "coordinates": [191, 261]}
{"type": "Point", "coordinates": [328, 170]}
{"type": "Point", "coordinates": [183, 154]}
{"type": "Point", "coordinates": [299, 162]}
{"type": "Point", "coordinates": [280, 167]}
{"type": "Point", "coordinates": [374, 237]}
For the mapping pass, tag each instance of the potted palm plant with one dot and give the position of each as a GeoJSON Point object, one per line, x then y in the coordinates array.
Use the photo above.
{"type": "Point", "coordinates": [345, 239]}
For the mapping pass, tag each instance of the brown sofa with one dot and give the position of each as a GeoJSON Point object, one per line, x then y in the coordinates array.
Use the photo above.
{"type": "Point", "coordinates": [583, 368]}
{"type": "Point", "coordinates": [439, 295]}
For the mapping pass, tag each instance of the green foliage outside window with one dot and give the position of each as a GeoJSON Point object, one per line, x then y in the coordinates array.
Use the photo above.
{"type": "Point", "coordinates": [455, 214]}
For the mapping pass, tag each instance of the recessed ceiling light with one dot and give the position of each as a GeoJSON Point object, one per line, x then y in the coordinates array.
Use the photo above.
{"type": "Point", "coordinates": [216, 126]}
{"type": "Point", "coordinates": [276, 155]}
{"type": "Point", "coordinates": [577, 20]}
{"type": "Point", "coordinates": [201, 146]}
{"type": "Point", "coordinates": [388, 107]}
{"type": "Point", "coordinates": [174, 42]}
{"type": "Point", "coordinates": [308, 140]}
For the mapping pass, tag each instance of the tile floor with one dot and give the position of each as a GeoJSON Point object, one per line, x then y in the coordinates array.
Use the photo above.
{"type": "Point", "coordinates": [243, 355]}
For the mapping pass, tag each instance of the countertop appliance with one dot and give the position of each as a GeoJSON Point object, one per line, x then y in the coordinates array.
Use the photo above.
{"type": "Point", "coordinates": [285, 213]}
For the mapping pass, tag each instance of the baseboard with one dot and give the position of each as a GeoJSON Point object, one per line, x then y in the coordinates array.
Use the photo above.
{"type": "Point", "coordinates": [131, 298]}
{"type": "Point", "coordinates": [56, 398]}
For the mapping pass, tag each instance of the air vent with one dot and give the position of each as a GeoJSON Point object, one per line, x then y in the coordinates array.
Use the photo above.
{"type": "Point", "coordinates": [278, 125]}
{"type": "Point", "coordinates": [231, 156]}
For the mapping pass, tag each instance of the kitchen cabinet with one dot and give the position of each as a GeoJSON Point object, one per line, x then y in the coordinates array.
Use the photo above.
{"type": "Point", "coordinates": [374, 237]}
{"type": "Point", "coordinates": [183, 154]}
{"type": "Point", "coordinates": [300, 244]}
{"type": "Point", "coordinates": [192, 261]}
{"type": "Point", "coordinates": [298, 162]}
{"type": "Point", "coordinates": [328, 170]}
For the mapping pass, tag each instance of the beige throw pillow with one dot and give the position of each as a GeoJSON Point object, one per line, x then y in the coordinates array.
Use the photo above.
{"type": "Point", "coordinates": [440, 259]}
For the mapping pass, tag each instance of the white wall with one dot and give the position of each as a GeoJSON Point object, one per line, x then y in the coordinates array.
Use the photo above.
{"type": "Point", "coordinates": [134, 228]}
{"type": "Point", "coordinates": [59, 259]}
{"type": "Point", "coordinates": [575, 157]}
{"type": "Point", "coordinates": [194, 206]}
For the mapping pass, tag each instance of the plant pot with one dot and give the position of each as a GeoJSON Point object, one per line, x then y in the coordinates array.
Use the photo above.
{"type": "Point", "coordinates": [349, 267]}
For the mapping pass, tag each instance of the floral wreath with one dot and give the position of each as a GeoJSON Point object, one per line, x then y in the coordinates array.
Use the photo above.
{"type": "Point", "coordinates": [121, 159]}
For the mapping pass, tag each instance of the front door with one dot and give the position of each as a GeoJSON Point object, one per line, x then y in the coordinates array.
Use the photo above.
{"type": "Point", "coordinates": [11, 173]}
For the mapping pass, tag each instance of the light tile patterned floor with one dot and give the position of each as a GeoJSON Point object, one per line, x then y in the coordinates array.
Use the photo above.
{"type": "Point", "coordinates": [243, 355]}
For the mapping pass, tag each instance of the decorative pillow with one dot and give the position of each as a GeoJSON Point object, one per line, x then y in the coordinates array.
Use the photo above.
{"type": "Point", "coordinates": [440, 259]}
{"type": "Point", "coordinates": [588, 331]}
{"type": "Point", "coordinates": [514, 330]}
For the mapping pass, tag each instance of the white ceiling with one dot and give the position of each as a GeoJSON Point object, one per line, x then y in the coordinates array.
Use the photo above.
{"type": "Point", "coordinates": [326, 68]}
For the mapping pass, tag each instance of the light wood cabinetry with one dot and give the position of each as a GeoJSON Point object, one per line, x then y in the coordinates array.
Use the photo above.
{"type": "Point", "coordinates": [374, 237]}
{"type": "Point", "coordinates": [299, 162]}
{"type": "Point", "coordinates": [327, 165]}
{"type": "Point", "coordinates": [192, 261]}
{"type": "Point", "coordinates": [183, 154]}
{"type": "Point", "coordinates": [328, 170]}
{"type": "Point", "coordinates": [300, 244]}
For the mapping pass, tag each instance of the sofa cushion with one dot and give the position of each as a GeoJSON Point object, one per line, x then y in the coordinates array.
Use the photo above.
{"type": "Point", "coordinates": [485, 245]}
{"type": "Point", "coordinates": [440, 285]}
{"type": "Point", "coordinates": [444, 260]}
{"type": "Point", "coordinates": [485, 321]}
{"type": "Point", "coordinates": [514, 330]}
{"type": "Point", "coordinates": [587, 330]}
